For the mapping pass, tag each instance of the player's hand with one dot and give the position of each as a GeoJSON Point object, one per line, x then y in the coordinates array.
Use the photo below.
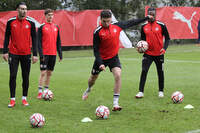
{"type": "Point", "coordinates": [34, 59]}
{"type": "Point", "coordinates": [5, 57]}
{"type": "Point", "coordinates": [60, 60]}
{"type": "Point", "coordinates": [162, 51]}
{"type": "Point", "coordinates": [150, 16]}
{"type": "Point", "coordinates": [102, 67]}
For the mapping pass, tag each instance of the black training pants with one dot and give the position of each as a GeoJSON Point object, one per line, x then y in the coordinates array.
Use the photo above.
{"type": "Point", "coordinates": [25, 62]}
{"type": "Point", "coordinates": [146, 63]}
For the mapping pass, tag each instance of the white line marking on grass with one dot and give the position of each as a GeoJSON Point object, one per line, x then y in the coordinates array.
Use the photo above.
{"type": "Point", "coordinates": [194, 131]}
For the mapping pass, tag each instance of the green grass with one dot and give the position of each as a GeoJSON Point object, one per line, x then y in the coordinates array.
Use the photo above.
{"type": "Point", "coordinates": [69, 80]}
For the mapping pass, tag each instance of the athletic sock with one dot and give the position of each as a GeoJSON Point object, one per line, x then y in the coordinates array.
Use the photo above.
{"type": "Point", "coordinates": [88, 90]}
{"type": "Point", "coordinates": [46, 87]}
{"type": "Point", "coordinates": [116, 99]}
{"type": "Point", "coordinates": [40, 89]}
{"type": "Point", "coordinates": [23, 97]}
{"type": "Point", "coordinates": [13, 98]}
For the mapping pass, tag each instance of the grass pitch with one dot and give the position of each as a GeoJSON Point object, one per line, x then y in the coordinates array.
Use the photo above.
{"type": "Point", "coordinates": [69, 80]}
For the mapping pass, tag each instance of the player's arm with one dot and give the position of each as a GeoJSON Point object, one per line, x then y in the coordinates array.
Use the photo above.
{"type": "Point", "coordinates": [33, 36]}
{"type": "Point", "coordinates": [96, 43]}
{"type": "Point", "coordinates": [58, 43]}
{"type": "Point", "coordinates": [130, 23]}
{"type": "Point", "coordinates": [34, 43]}
{"type": "Point", "coordinates": [6, 41]}
{"type": "Point", "coordinates": [39, 34]}
{"type": "Point", "coordinates": [167, 38]}
{"type": "Point", "coordinates": [143, 36]}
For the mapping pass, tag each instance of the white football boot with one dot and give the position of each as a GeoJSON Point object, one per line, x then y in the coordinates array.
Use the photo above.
{"type": "Point", "coordinates": [161, 94]}
{"type": "Point", "coordinates": [139, 95]}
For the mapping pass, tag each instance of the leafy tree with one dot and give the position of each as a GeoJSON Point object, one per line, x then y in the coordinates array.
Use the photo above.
{"type": "Point", "coordinates": [8, 5]}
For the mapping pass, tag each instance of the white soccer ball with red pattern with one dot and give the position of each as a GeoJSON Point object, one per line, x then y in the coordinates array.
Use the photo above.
{"type": "Point", "coordinates": [142, 46]}
{"type": "Point", "coordinates": [47, 94]}
{"type": "Point", "coordinates": [177, 97]}
{"type": "Point", "coordinates": [37, 120]}
{"type": "Point", "coordinates": [102, 112]}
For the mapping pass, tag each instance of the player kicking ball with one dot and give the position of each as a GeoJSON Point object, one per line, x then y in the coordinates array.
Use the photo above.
{"type": "Point", "coordinates": [106, 47]}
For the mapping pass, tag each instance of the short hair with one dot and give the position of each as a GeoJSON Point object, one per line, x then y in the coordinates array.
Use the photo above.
{"type": "Point", "coordinates": [48, 10]}
{"type": "Point", "coordinates": [106, 14]}
{"type": "Point", "coordinates": [20, 3]}
{"type": "Point", "coordinates": [151, 9]}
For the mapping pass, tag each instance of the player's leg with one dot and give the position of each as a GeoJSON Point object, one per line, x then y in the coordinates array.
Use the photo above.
{"type": "Point", "coordinates": [48, 77]}
{"type": "Point", "coordinates": [117, 76]}
{"type": "Point", "coordinates": [13, 67]}
{"type": "Point", "coordinates": [91, 81]}
{"type": "Point", "coordinates": [50, 67]}
{"type": "Point", "coordinates": [115, 67]}
{"type": "Point", "coordinates": [25, 62]}
{"type": "Point", "coordinates": [159, 61]}
{"type": "Point", "coordinates": [41, 82]}
{"type": "Point", "coordinates": [146, 63]}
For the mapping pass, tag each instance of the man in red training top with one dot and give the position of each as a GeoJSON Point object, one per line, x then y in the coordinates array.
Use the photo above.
{"type": "Point", "coordinates": [153, 32]}
{"type": "Point", "coordinates": [106, 47]}
{"type": "Point", "coordinates": [20, 31]}
{"type": "Point", "coordinates": [49, 44]}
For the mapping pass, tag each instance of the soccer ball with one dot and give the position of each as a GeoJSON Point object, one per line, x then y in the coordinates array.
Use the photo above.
{"type": "Point", "coordinates": [47, 94]}
{"type": "Point", "coordinates": [37, 120]}
{"type": "Point", "coordinates": [142, 46]}
{"type": "Point", "coordinates": [102, 112]}
{"type": "Point", "coordinates": [177, 97]}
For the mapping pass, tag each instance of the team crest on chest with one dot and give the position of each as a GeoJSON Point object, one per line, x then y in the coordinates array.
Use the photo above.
{"type": "Point", "coordinates": [14, 25]}
{"type": "Point", "coordinates": [114, 30]}
{"type": "Point", "coordinates": [55, 29]}
{"type": "Point", "coordinates": [156, 29]}
{"type": "Point", "coordinates": [27, 26]}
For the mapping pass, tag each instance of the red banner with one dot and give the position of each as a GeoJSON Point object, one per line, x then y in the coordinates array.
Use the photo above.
{"type": "Point", "coordinates": [181, 22]}
{"type": "Point", "coordinates": [76, 28]}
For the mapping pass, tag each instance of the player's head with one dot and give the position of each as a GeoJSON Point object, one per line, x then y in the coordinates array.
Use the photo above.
{"type": "Point", "coordinates": [22, 10]}
{"type": "Point", "coordinates": [106, 18]}
{"type": "Point", "coordinates": [48, 15]}
{"type": "Point", "coordinates": [152, 11]}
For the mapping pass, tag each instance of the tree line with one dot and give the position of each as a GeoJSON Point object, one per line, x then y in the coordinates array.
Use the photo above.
{"type": "Point", "coordinates": [123, 9]}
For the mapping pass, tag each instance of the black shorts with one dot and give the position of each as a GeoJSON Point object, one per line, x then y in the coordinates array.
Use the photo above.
{"type": "Point", "coordinates": [111, 63]}
{"type": "Point", "coordinates": [48, 62]}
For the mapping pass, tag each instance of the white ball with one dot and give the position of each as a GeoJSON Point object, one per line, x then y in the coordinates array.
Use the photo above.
{"type": "Point", "coordinates": [177, 97]}
{"type": "Point", "coordinates": [47, 94]}
{"type": "Point", "coordinates": [142, 46]}
{"type": "Point", "coordinates": [102, 112]}
{"type": "Point", "coordinates": [37, 120]}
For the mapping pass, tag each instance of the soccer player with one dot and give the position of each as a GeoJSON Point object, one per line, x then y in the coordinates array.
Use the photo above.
{"type": "Point", "coordinates": [20, 30]}
{"type": "Point", "coordinates": [106, 47]}
{"type": "Point", "coordinates": [153, 32]}
{"type": "Point", "coordinates": [49, 44]}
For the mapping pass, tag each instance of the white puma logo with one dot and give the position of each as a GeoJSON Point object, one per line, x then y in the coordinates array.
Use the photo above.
{"type": "Point", "coordinates": [179, 16]}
